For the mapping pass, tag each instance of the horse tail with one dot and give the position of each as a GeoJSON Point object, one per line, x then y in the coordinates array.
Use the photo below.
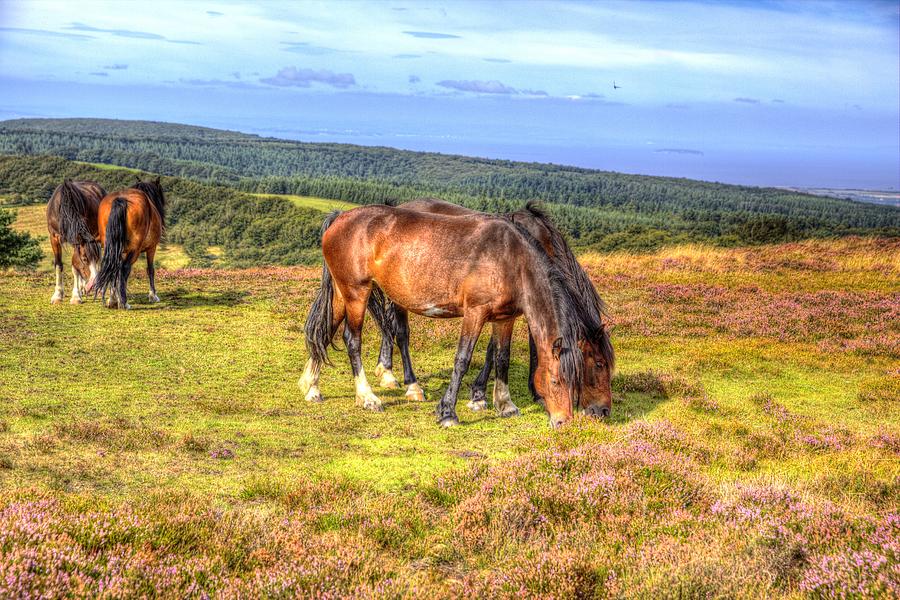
{"type": "Point", "coordinates": [319, 331]}
{"type": "Point", "coordinates": [383, 313]}
{"type": "Point", "coordinates": [114, 248]}
{"type": "Point", "coordinates": [72, 224]}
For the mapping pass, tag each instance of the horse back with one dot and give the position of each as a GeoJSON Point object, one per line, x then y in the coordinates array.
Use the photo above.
{"type": "Point", "coordinates": [429, 263]}
{"type": "Point", "coordinates": [143, 222]}
{"type": "Point", "coordinates": [91, 191]}
{"type": "Point", "coordinates": [438, 207]}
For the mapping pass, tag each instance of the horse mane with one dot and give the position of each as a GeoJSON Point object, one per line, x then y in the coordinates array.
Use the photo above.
{"type": "Point", "coordinates": [153, 190]}
{"type": "Point", "coordinates": [72, 226]}
{"type": "Point", "coordinates": [577, 278]}
{"type": "Point", "coordinates": [574, 319]}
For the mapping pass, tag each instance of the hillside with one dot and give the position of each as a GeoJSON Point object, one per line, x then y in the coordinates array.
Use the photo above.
{"type": "Point", "coordinates": [212, 224]}
{"type": "Point", "coordinates": [752, 450]}
{"type": "Point", "coordinates": [598, 209]}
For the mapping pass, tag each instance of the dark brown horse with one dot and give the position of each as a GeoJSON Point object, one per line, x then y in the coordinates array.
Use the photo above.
{"type": "Point", "coordinates": [72, 219]}
{"type": "Point", "coordinates": [130, 222]}
{"type": "Point", "coordinates": [479, 268]}
{"type": "Point", "coordinates": [599, 359]}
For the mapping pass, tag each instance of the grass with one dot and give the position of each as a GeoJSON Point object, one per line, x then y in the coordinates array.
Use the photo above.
{"type": "Point", "coordinates": [108, 167]}
{"type": "Point", "coordinates": [752, 452]}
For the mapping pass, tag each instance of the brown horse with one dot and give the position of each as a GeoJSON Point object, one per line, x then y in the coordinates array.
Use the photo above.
{"type": "Point", "coordinates": [130, 222]}
{"type": "Point", "coordinates": [478, 268]}
{"type": "Point", "coordinates": [599, 358]}
{"type": "Point", "coordinates": [72, 219]}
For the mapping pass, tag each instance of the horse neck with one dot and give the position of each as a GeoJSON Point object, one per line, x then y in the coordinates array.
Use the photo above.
{"type": "Point", "coordinates": [539, 307]}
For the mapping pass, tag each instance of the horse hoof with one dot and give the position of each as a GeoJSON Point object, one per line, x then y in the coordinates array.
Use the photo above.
{"type": "Point", "coordinates": [55, 300]}
{"type": "Point", "coordinates": [385, 377]}
{"type": "Point", "coordinates": [415, 393]}
{"type": "Point", "coordinates": [75, 301]}
{"type": "Point", "coordinates": [477, 405]}
{"type": "Point", "coordinates": [388, 381]}
{"type": "Point", "coordinates": [153, 298]}
{"type": "Point", "coordinates": [369, 403]}
{"type": "Point", "coordinates": [314, 396]}
{"type": "Point", "coordinates": [510, 411]}
{"type": "Point", "coordinates": [127, 306]}
{"type": "Point", "coordinates": [449, 421]}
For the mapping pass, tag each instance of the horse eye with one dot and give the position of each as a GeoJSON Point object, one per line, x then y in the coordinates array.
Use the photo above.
{"type": "Point", "coordinates": [554, 381]}
{"type": "Point", "coordinates": [598, 364]}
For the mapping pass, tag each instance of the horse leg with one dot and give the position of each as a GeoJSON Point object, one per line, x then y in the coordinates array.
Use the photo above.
{"type": "Point", "coordinates": [59, 292]}
{"type": "Point", "coordinates": [384, 370]}
{"type": "Point", "coordinates": [123, 283]}
{"type": "Point", "coordinates": [356, 302]}
{"type": "Point", "coordinates": [471, 329]}
{"type": "Point", "coordinates": [532, 367]}
{"type": "Point", "coordinates": [413, 389]}
{"type": "Point", "coordinates": [151, 275]}
{"type": "Point", "coordinates": [477, 397]}
{"type": "Point", "coordinates": [503, 338]}
{"type": "Point", "coordinates": [77, 286]}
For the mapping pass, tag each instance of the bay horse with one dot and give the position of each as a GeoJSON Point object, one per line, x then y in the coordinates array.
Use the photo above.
{"type": "Point", "coordinates": [483, 269]}
{"type": "Point", "coordinates": [130, 221]}
{"type": "Point", "coordinates": [72, 219]}
{"type": "Point", "coordinates": [599, 357]}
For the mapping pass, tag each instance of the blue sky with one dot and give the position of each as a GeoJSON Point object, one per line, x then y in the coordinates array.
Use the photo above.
{"type": "Point", "coordinates": [774, 93]}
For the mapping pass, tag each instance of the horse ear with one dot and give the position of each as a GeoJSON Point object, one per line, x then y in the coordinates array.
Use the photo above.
{"type": "Point", "coordinates": [158, 179]}
{"type": "Point", "coordinates": [557, 347]}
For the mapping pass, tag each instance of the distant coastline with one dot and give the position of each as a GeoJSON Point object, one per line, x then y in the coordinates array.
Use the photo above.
{"type": "Point", "coordinates": [883, 197]}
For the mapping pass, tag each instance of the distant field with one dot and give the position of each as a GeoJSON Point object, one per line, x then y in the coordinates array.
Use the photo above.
{"type": "Point", "coordinates": [322, 204]}
{"type": "Point", "coordinates": [33, 219]}
{"type": "Point", "coordinates": [753, 451]}
{"type": "Point", "coordinates": [107, 167]}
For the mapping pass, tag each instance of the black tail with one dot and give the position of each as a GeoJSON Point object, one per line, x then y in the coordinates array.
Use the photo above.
{"type": "Point", "coordinates": [319, 332]}
{"type": "Point", "coordinates": [382, 310]}
{"type": "Point", "coordinates": [72, 225]}
{"type": "Point", "coordinates": [116, 240]}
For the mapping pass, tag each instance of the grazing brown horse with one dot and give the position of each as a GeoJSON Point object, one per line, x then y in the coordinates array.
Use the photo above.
{"type": "Point", "coordinates": [483, 269]}
{"type": "Point", "coordinates": [72, 219]}
{"type": "Point", "coordinates": [599, 358]}
{"type": "Point", "coordinates": [130, 222]}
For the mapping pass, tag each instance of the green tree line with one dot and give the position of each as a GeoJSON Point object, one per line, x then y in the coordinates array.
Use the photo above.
{"type": "Point", "coordinates": [598, 210]}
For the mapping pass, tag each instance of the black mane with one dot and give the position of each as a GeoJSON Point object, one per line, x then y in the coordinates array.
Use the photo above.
{"type": "Point", "coordinates": [154, 191]}
{"type": "Point", "coordinates": [577, 279]}
{"type": "Point", "coordinates": [574, 319]}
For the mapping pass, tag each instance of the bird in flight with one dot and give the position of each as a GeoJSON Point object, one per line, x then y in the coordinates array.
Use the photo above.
{"type": "Point", "coordinates": [616, 87]}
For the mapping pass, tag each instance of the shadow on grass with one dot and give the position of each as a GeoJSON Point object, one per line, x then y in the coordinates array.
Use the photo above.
{"type": "Point", "coordinates": [180, 298]}
{"type": "Point", "coordinates": [636, 394]}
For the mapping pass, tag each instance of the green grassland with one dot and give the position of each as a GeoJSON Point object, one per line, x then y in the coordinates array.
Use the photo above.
{"type": "Point", "coordinates": [321, 204]}
{"type": "Point", "coordinates": [753, 448]}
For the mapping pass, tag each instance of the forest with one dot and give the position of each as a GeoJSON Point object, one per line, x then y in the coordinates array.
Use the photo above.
{"type": "Point", "coordinates": [250, 230]}
{"type": "Point", "coordinates": [212, 172]}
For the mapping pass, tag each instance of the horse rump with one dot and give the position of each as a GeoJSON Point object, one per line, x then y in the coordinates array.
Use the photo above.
{"type": "Point", "coordinates": [71, 222]}
{"type": "Point", "coordinates": [110, 273]}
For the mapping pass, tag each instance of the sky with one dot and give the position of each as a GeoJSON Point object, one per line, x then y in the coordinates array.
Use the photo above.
{"type": "Point", "coordinates": [757, 92]}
